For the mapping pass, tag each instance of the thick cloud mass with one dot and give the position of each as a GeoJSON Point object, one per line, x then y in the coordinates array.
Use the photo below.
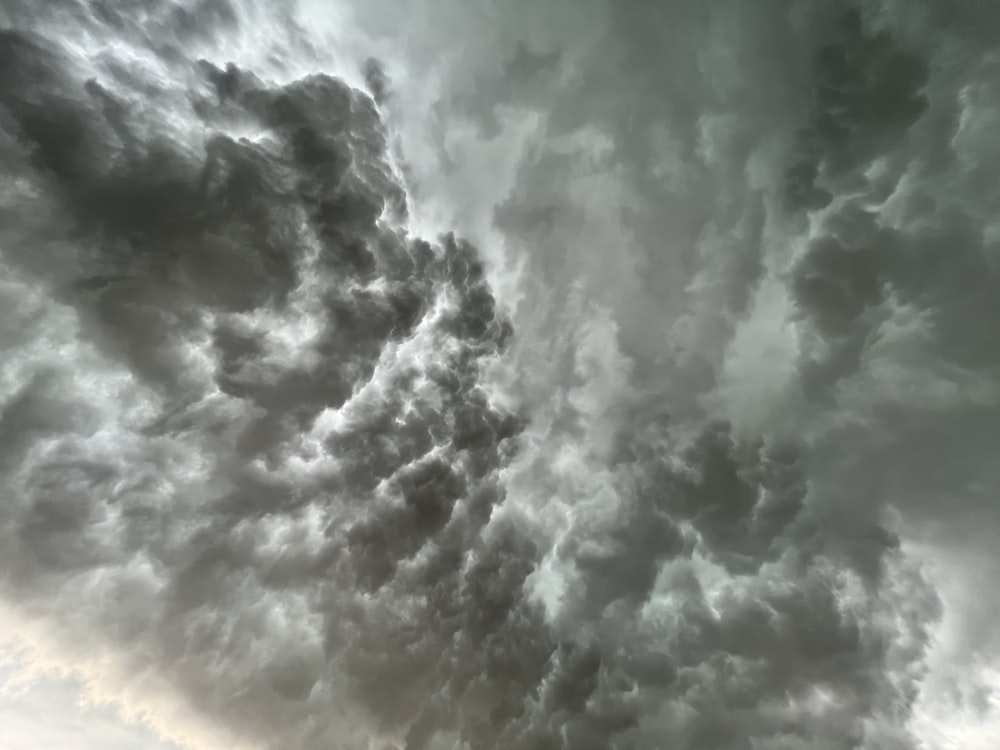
{"type": "Point", "coordinates": [683, 455]}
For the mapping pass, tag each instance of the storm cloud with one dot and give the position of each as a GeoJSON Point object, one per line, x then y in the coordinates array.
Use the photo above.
{"type": "Point", "coordinates": [583, 375]}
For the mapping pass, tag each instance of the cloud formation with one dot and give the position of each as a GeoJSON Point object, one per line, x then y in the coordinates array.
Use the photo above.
{"type": "Point", "coordinates": [673, 452]}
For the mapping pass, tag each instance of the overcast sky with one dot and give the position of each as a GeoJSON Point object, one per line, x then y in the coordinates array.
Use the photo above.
{"type": "Point", "coordinates": [51, 713]}
{"type": "Point", "coordinates": [451, 375]}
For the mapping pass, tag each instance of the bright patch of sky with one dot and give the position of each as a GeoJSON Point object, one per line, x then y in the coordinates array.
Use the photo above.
{"type": "Point", "coordinates": [52, 713]}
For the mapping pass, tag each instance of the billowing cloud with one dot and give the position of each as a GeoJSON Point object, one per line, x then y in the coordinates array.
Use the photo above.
{"type": "Point", "coordinates": [689, 444]}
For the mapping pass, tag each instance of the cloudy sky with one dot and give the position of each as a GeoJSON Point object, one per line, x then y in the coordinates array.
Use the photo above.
{"type": "Point", "coordinates": [479, 375]}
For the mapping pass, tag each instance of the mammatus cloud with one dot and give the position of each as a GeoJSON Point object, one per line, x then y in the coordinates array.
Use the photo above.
{"type": "Point", "coordinates": [691, 449]}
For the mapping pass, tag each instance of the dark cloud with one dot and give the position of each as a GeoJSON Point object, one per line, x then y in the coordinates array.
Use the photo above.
{"type": "Point", "coordinates": [315, 473]}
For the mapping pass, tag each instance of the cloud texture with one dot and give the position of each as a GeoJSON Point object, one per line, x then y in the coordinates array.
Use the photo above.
{"type": "Point", "coordinates": [689, 445]}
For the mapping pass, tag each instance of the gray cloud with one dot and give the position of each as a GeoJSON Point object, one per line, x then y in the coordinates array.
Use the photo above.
{"type": "Point", "coordinates": [333, 487]}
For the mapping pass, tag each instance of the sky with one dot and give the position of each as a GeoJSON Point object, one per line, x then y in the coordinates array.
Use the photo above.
{"type": "Point", "coordinates": [52, 714]}
{"type": "Point", "coordinates": [484, 375]}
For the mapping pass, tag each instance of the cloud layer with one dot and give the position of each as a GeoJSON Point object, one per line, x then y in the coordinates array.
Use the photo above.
{"type": "Point", "coordinates": [689, 446]}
